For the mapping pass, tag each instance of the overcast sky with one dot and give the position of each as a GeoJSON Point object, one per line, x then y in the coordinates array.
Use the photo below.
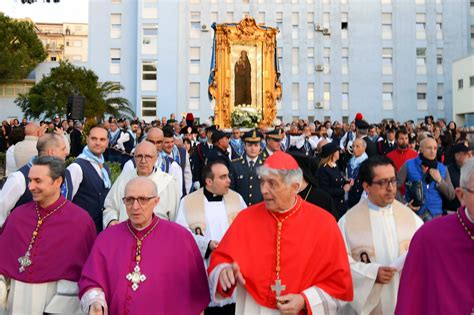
{"type": "Point", "coordinates": [41, 11]}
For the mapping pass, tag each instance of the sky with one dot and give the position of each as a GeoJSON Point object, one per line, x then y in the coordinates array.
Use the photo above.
{"type": "Point", "coordinates": [41, 11]}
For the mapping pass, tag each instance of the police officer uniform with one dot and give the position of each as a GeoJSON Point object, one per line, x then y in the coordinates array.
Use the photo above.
{"type": "Point", "coordinates": [244, 172]}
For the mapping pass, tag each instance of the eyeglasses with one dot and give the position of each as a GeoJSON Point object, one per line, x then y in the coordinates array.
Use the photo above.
{"type": "Point", "coordinates": [142, 201]}
{"type": "Point", "coordinates": [140, 157]}
{"type": "Point", "coordinates": [468, 190]}
{"type": "Point", "coordinates": [383, 183]}
{"type": "Point", "coordinates": [155, 142]}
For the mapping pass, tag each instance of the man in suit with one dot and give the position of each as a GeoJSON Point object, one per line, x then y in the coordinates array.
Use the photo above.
{"type": "Point", "coordinates": [244, 170]}
{"type": "Point", "coordinates": [76, 139]}
{"type": "Point", "coordinates": [362, 132]}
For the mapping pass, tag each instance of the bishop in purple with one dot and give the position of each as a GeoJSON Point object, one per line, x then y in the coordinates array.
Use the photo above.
{"type": "Point", "coordinates": [44, 244]}
{"type": "Point", "coordinates": [144, 265]}
{"type": "Point", "coordinates": [438, 276]}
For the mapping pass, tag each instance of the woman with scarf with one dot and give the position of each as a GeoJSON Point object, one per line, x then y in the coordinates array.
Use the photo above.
{"type": "Point", "coordinates": [353, 167]}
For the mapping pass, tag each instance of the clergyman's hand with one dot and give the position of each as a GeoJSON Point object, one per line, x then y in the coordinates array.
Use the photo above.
{"type": "Point", "coordinates": [230, 275]}
{"type": "Point", "coordinates": [290, 304]}
{"type": "Point", "coordinates": [385, 274]}
{"type": "Point", "coordinates": [96, 309]}
{"type": "Point", "coordinates": [213, 245]}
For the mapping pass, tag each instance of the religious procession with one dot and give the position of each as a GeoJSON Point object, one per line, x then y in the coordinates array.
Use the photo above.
{"type": "Point", "coordinates": [306, 218]}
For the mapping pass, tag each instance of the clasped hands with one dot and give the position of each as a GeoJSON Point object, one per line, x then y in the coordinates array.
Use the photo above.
{"type": "Point", "coordinates": [290, 304]}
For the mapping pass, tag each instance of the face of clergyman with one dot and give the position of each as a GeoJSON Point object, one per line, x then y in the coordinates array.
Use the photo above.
{"type": "Point", "coordinates": [140, 205]}
{"type": "Point", "coordinates": [278, 195]}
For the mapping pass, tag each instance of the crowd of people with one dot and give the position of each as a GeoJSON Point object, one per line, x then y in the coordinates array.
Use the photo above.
{"type": "Point", "coordinates": [295, 218]}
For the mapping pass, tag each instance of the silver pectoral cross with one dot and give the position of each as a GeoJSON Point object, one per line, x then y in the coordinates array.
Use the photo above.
{"type": "Point", "coordinates": [136, 277]}
{"type": "Point", "coordinates": [278, 287]}
{"type": "Point", "coordinates": [24, 261]}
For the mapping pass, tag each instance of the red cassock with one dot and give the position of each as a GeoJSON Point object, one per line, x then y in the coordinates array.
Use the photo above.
{"type": "Point", "coordinates": [312, 253]}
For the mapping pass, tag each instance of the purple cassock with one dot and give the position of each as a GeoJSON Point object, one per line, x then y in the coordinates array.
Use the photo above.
{"type": "Point", "coordinates": [438, 276]}
{"type": "Point", "coordinates": [61, 247]}
{"type": "Point", "coordinates": [176, 280]}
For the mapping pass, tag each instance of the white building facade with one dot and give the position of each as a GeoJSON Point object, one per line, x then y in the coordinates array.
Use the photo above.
{"type": "Point", "coordinates": [383, 58]}
{"type": "Point", "coordinates": [463, 91]}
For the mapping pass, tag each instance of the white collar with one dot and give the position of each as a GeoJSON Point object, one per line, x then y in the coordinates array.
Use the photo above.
{"type": "Point", "coordinates": [467, 215]}
{"type": "Point", "coordinates": [376, 208]}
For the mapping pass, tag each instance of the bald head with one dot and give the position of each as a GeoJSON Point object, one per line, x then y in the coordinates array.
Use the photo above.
{"type": "Point", "coordinates": [32, 129]}
{"type": "Point", "coordinates": [155, 136]}
{"type": "Point", "coordinates": [146, 186]}
{"type": "Point", "coordinates": [51, 144]}
{"type": "Point", "coordinates": [145, 146]}
{"type": "Point", "coordinates": [154, 132]}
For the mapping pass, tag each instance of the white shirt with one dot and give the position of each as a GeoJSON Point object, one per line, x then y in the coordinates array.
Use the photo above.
{"type": "Point", "coordinates": [11, 192]}
{"type": "Point", "coordinates": [10, 166]}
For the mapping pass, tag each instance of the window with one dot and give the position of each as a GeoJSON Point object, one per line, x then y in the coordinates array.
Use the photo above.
{"type": "Point", "coordinates": [150, 10]}
{"type": "Point", "coordinates": [439, 60]}
{"type": "Point", "coordinates": [344, 25]}
{"type": "Point", "coordinates": [53, 58]}
{"type": "Point", "coordinates": [421, 61]}
{"type": "Point", "coordinates": [115, 25]}
{"type": "Point", "coordinates": [261, 17]}
{"type": "Point", "coordinates": [310, 30]}
{"type": "Point", "coordinates": [326, 20]}
{"type": "Point", "coordinates": [295, 96]}
{"type": "Point", "coordinates": [345, 61]}
{"type": "Point", "coordinates": [471, 81]}
{"type": "Point", "coordinates": [150, 40]}
{"type": "Point", "coordinates": [345, 96]}
{"type": "Point", "coordinates": [439, 26]}
{"type": "Point", "coordinates": [327, 59]}
{"type": "Point", "coordinates": [195, 25]}
{"type": "Point", "coordinates": [310, 17]}
{"type": "Point", "coordinates": [195, 58]}
{"type": "Point", "coordinates": [386, 25]}
{"type": "Point", "coordinates": [460, 84]}
{"type": "Point", "coordinates": [387, 61]}
{"type": "Point", "coordinates": [420, 26]}
{"type": "Point", "coordinates": [421, 102]}
{"type": "Point", "coordinates": [387, 96]}
{"type": "Point", "coordinates": [149, 75]}
{"type": "Point", "coordinates": [279, 24]}
{"type": "Point", "coordinates": [294, 25]}
{"type": "Point", "coordinates": [115, 60]}
{"type": "Point", "coordinates": [149, 106]}
{"type": "Point", "coordinates": [229, 17]}
{"type": "Point", "coordinates": [440, 96]}
{"type": "Point", "coordinates": [310, 60]}
{"type": "Point", "coordinates": [295, 69]}
{"type": "Point", "coordinates": [194, 95]}
{"type": "Point", "coordinates": [310, 96]}
{"type": "Point", "coordinates": [386, 1]}
{"type": "Point", "coordinates": [472, 35]}
{"type": "Point", "coordinates": [327, 95]}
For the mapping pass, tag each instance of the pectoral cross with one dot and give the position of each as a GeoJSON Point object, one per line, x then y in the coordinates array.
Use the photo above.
{"type": "Point", "coordinates": [24, 261]}
{"type": "Point", "coordinates": [136, 277]}
{"type": "Point", "coordinates": [278, 287]}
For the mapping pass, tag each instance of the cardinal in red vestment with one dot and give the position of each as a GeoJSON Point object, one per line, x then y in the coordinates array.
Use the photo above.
{"type": "Point", "coordinates": [284, 255]}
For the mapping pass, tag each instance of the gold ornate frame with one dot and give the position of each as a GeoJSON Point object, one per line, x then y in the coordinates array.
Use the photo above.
{"type": "Point", "coordinates": [247, 32]}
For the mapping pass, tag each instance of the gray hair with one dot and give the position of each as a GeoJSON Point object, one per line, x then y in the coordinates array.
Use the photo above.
{"type": "Point", "coordinates": [141, 181]}
{"type": "Point", "coordinates": [288, 176]}
{"type": "Point", "coordinates": [56, 166]}
{"type": "Point", "coordinates": [364, 144]}
{"type": "Point", "coordinates": [467, 173]}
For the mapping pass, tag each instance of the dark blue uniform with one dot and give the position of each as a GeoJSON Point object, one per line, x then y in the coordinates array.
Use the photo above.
{"type": "Point", "coordinates": [246, 181]}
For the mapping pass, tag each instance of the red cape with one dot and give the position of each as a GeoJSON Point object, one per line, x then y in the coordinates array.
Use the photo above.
{"type": "Point", "coordinates": [312, 253]}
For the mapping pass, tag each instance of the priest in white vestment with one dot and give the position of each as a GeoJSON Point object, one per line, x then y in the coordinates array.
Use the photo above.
{"type": "Point", "coordinates": [145, 159]}
{"type": "Point", "coordinates": [377, 232]}
{"type": "Point", "coordinates": [209, 211]}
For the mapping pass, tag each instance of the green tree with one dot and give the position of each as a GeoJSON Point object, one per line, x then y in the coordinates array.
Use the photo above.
{"type": "Point", "coordinates": [20, 49]}
{"type": "Point", "coordinates": [49, 96]}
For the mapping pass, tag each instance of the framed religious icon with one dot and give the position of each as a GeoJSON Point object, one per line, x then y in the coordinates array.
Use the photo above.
{"type": "Point", "coordinates": [244, 75]}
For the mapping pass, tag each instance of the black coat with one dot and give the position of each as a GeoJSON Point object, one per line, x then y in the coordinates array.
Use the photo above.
{"type": "Point", "coordinates": [76, 142]}
{"type": "Point", "coordinates": [371, 149]}
{"type": "Point", "coordinates": [332, 182]}
{"type": "Point", "coordinates": [320, 198]}
{"type": "Point", "coordinates": [455, 175]}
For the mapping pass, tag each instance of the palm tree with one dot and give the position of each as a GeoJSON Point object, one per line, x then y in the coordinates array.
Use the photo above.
{"type": "Point", "coordinates": [116, 106]}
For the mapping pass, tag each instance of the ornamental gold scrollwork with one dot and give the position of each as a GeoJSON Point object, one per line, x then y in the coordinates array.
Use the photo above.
{"type": "Point", "coordinates": [230, 40]}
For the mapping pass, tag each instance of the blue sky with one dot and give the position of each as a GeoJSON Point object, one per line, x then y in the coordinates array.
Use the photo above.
{"type": "Point", "coordinates": [64, 11]}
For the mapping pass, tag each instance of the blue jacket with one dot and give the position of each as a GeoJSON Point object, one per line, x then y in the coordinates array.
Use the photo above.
{"type": "Point", "coordinates": [433, 199]}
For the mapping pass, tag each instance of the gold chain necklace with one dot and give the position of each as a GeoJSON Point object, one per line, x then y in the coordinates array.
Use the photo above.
{"type": "Point", "coordinates": [278, 287]}
{"type": "Point", "coordinates": [465, 226]}
{"type": "Point", "coordinates": [25, 260]}
{"type": "Point", "coordinates": [136, 276]}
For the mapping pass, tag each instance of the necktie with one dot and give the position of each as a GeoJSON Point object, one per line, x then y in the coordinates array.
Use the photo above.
{"type": "Point", "coordinates": [251, 164]}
